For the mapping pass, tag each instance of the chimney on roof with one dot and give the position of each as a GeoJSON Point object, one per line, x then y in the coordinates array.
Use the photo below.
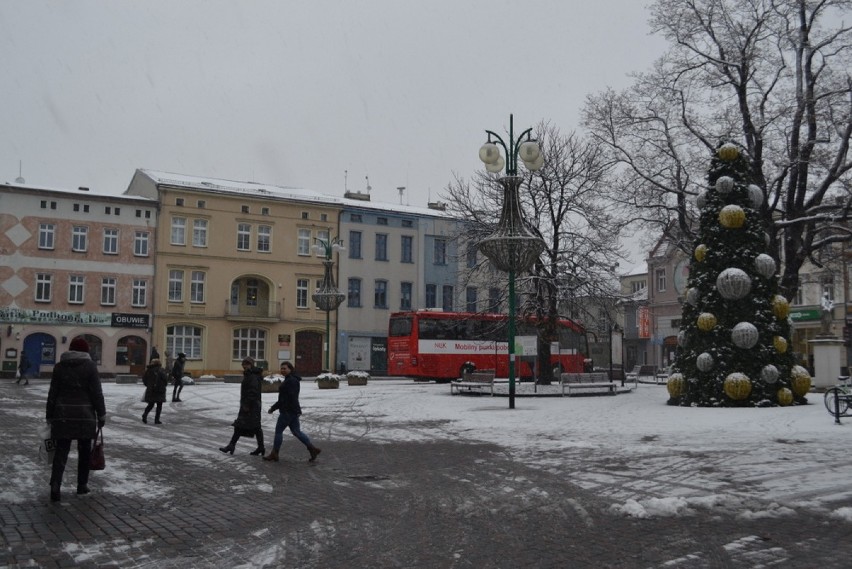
{"type": "Point", "coordinates": [83, 189]}
{"type": "Point", "coordinates": [440, 206]}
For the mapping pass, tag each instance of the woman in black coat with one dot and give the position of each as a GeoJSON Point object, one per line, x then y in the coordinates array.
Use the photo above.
{"type": "Point", "coordinates": [156, 382]}
{"type": "Point", "coordinates": [75, 410]}
{"type": "Point", "coordinates": [251, 404]}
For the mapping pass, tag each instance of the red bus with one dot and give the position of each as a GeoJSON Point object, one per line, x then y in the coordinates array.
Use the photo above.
{"type": "Point", "coordinates": [437, 345]}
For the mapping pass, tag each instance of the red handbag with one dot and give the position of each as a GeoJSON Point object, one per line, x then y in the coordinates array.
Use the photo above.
{"type": "Point", "coordinates": [96, 459]}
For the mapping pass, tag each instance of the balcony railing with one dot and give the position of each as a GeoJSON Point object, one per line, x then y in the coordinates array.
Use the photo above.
{"type": "Point", "coordinates": [271, 309]}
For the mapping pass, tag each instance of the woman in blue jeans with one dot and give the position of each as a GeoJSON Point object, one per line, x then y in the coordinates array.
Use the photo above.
{"type": "Point", "coordinates": [288, 413]}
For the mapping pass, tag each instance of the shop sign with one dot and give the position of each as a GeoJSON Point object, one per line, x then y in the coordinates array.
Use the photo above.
{"type": "Point", "coordinates": [121, 320]}
{"type": "Point", "coordinates": [800, 315]}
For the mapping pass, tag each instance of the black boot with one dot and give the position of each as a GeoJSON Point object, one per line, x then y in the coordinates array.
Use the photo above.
{"type": "Point", "coordinates": [54, 493]}
{"type": "Point", "coordinates": [157, 414]}
{"type": "Point", "coordinates": [145, 417]}
{"type": "Point", "coordinates": [260, 450]}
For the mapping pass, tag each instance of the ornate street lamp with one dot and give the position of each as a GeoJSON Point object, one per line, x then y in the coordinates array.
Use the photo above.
{"type": "Point", "coordinates": [327, 297]}
{"type": "Point", "coordinates": [513, 246]}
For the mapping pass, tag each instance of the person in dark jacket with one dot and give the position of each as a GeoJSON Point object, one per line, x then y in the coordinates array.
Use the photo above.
{"type": "Point", "coordinates": [177, 376]}
{"type": "Point", "coordinates": [251, 405]}
{"type": "Point", "coordinates": [23, 368]}
{"type": "Point", "coordinates": [156, 384]}
{"type": "Point", "coordinates": [75, 410]}
{"type": "Point", "coordinates": [288, 413]}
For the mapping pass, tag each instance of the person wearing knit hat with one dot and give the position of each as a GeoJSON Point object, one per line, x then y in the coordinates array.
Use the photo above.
{"type": "Point", "coordinates": [75, 411]}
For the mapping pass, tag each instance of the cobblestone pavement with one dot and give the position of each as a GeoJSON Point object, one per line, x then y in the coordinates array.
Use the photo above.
{"type": "Point", "coordinates": [445, 504]}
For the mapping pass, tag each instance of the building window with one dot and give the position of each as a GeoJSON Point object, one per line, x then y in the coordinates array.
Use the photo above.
{"type": "Point", "coordinates": [380, 299]}
{"type": "Point", "coordinates": [248, 343]}
{"type": "Point", "coordinates": [44, 286]}
{"type": "Point", "coordinates": [407, 223]}
{"type": "Point", "coordinates": [355, 217]}
{"type": "Point", "coordinates": [107, 210]}
{"type": "Point", "coordinates": [110, 241]}
{"type": "Point", "coordinates": [828, 287]}
{"type": "Point", "coordinates": [175, 285]}
{"type": "Point", "coordinates": [178, 231]}
{"type": "Point", "coordinates": [243, 237]}
{"type": "Point", "coordinates": [800, 295]}
{"type": "Point", "coordinates": [470, 299]}
{"type": "Point", "coordinates": [140, 293]}
{"type": "Point", "coordinates": [196, 287]}
{"type": "Point", "coordinates": [140, 244]}
{"type": "Point", "coordinates": [661, 279]}
{"type": "Point", "coordinates": [354, 300]}
{"type": "Point", "coordinates": [46, 236]}
{"type": "Point", "coordinates": [381, 247]}
{"type": "Point", "coordinates": [118, 211]}
{"type": "Point", "coordinates": [322, 237]}
{"type": "Point", "coordinates": [264, 211]}
{"type": "Point", "coordinates": [407, 249]}
{"type": "Point", "coordinates": [199, 232]}
{"type": "Point", "coordinates": [201, 204]}
{"type": "Point", "coordinates": [354, 244]}
{"type": "Point", "coordinates": [302, 293]}
{"type": "Point", "coordinates": [431, 296]}
{"type": "Point", "coordinates": [447, 298]}
{"type": "Point", "coordinates": [493, 299]}
{"type": "Point", "coordinates": [76, 207]}
{"type": "Point", "coordinates": [636, 286]}
{"type": "Point", "coordinates": [405, 296]}
{"type": "Point", "coordinates": [79, 238]}
{"type": "Point", "coordinates": [381, 221]}
{"type": "Point", "coordinates": [471, 256]}
{"type": "Point", "coordinates": [76, 289]}
{"type": "Point", "coordinates": [303, 242]}
{"type": "Point", "coordinates": [178, 201]}
{"type": "Point", "coordinates": [323, 217]}
{"type": "Point", "coordinates": [440, 257]}
{"type": "Point", "coordinates": [108, 291]}
{"type": "Point", "coordinates": [244, 209]}
{"type": "Point", "coordinates": [184, 339]}
{"type": "Point", "coordinates": [264, 238]}
{"type": "Point", "coordinates": [252, 288]}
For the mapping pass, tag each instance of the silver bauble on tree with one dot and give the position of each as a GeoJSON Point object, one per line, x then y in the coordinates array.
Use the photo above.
{"type": "Point", "coordinates": [769, 374]}
{"type": "Point", "coordinates": [755, 194]}
{"type": "Point", "coordinates": [724, 185]}
{"type": "Point", "coordinates": [704, 362]}
{"type": "Point", "coordinates": [733, 284]}
{"type": "Point", "coordinates": [744, 335]}
{"type": "Point", "coordinates": [692, 296]}
{"type": "Point", "coordinates": [764, 265]}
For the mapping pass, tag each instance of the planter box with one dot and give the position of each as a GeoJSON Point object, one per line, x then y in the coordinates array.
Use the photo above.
{"type": "Point", "coordinates": [327, 384]}
{"type": "Point", "coordinates": [356, 380]}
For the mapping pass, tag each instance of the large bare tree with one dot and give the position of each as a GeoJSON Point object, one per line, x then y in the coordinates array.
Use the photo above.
{"type": "Point", "coordinates": [566, 203]}
{"type": "Point", "coordinates": [772, 75]}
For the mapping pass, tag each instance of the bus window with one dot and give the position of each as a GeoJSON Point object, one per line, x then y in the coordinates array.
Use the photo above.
{"type": "Point", "coordinates": [400, 327]}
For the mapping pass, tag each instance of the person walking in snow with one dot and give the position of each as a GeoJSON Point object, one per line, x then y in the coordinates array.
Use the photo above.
{"type": "Point", "coordinates": [23, 368]}
{"type": "Point", "coordinates": [177, 376]}
{"type": "Point", "coordinates": [247, 423]}
{"type": "Point", "coordinates": [288, 413]}
{"type": "Point", "coordinates": [156, 384]}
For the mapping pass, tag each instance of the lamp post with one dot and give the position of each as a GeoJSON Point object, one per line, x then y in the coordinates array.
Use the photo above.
{"type": "Point", "coordinates": [327, 297]}
{"type": "Point", "coordinates": [513, 246]}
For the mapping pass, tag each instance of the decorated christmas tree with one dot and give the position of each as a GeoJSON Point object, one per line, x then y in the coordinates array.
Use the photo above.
{"type": "Point", "coordinates": [734, 341]}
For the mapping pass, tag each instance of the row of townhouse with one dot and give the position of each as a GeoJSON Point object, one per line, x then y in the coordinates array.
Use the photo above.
{"type": "Point", "coordinates": [216, 269]}
{"type": "Point", "coordinates": [652, 306]}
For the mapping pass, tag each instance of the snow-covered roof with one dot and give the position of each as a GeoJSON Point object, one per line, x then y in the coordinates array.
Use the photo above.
{"type": "Point", "coordinates": [271, 191]}
{"type": "Point", "coordinates": [87, 193]}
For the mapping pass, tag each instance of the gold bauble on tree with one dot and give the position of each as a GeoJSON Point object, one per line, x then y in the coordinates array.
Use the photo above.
{"type": "Point", "coordinates": [706, 321]}
{"type": "Point", "coordinates": [700, 252]}
{"type": "Point", "coordinates": [728, 152]}
{"type": "Point", "coordinates": [732, 217]}
{"type": "Point", "coordinates": [800, 381]}
{"type": "Point", "coordinates": [675, 385]}
{"type": "Point", "coordinates": [780, 307]}
{"type": "Point", "coordinates": [784, 396]}
{"type": "Point", "coordinates": [737, 386]}
{"type": "Point", "coordinates": [780, 344]}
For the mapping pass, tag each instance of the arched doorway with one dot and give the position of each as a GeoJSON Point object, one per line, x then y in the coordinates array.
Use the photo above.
{"type": "Point", "coordinates": [132, 351]}
{"type": "Point", "coordinates": [308, 353]}
{"type": "Point", "coordinates": [41, 350]}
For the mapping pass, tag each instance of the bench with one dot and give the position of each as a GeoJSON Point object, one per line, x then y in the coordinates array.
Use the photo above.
{"type": "Point", "coordinates": [474, 381]}
{"type": "Point", "coordinates": [585, 383]}
{"type": "Point", "coordinates": [126, 378]}
{"type": "Point", "coordinates": [648, 373]}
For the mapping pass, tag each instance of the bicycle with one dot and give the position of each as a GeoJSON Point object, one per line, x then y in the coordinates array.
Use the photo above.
{"type": "Point", "coordinates": [838, 398]}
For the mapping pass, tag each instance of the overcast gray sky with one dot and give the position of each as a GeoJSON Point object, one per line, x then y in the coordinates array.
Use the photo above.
{"type": "Point", "coordinates": [296, 93]}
